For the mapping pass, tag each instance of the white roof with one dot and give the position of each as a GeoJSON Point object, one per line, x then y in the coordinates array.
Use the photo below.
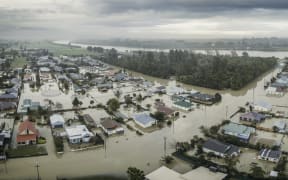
{"type": "Point", "coordinates": [203, 174]}
{"type": "Point", "coordinates": [56, 118]}
{"type": "Point", "coordinates": [164, 173]}
{"type": "Point", "coordinates": [79, 130]}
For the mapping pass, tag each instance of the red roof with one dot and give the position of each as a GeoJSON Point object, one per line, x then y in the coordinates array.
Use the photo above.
{"type": "Point", "coordinates": [27, 125]}
{"type": "Point", "coordinates": [23, 138]}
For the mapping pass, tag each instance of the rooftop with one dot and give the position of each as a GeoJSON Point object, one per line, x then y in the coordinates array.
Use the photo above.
{"type": "Point", "coordinates": [143, 118]}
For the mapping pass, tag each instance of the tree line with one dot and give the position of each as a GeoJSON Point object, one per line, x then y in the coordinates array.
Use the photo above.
{"type": "Point", "coordinates": [216, 72]}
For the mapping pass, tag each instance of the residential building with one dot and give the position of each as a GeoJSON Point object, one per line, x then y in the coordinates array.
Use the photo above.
{"type": "Point", "coordinates": [184, 105]}
{"type": "Point", "coordinates": [238, 130]}
{"type": "Point", "coordinates": [269, 155]}
{"type": "Point", "coordinates": [220, 149]}
{"type": "Point", "coordinates": [274, 91]}
{"type": "Point", "coordinates": [280, 126]}
{"type": "Point", "coordinates": [78, 134]}
{"type": "Point", "coordinates": [262, 106]}
{"type": "Point", "coordinates": [144, 120]}
{"type": "Point", "coordinates": [110, 127]}
{"type": "Point", "coordinates": [27, 133]}
{"type": "Point", "coordinates": [252, 117]}
{"type": "Point", "coordinates": [57, 121]}
{"type": "Point", "coordinates": [164, 173]}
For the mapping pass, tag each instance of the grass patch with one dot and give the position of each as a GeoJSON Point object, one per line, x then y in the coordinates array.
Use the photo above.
{"type": "Point", "coordinates": [19, 62]}
{"type": "Point", "coordinates": [27, 151]}
{"type": "Point", "coordinates": [58, 49]}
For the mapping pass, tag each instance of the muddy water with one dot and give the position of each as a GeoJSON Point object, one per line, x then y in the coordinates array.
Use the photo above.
{"type": "Point", "coordinates": [143, 152]}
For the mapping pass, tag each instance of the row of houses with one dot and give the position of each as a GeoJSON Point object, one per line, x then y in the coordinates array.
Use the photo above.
{"type": "Point", "coordinates": [225, 150]}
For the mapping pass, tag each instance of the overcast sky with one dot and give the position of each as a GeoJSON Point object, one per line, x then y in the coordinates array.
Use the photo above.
{"type": "Point", "coordinates": [141, 19]}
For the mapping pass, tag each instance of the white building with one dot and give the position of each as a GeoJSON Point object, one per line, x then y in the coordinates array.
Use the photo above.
{"type": "Point", "coordinates": [78, 134]}
{"type": "Point", "coordinates": [144, 120]}
{"type": "Point", "coordinates": [262, 106]}
{"type": "Point", "coordinates": [274, 91]}
{"type": "Point", "coordinates": [57, 121]}
{"type": "Point", "coordinates": [269, 155]}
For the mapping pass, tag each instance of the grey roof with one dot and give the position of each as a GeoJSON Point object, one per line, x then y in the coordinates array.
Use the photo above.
{"type": "Point", "coordinates": [268, 153]}
{"type": "Point", "coordinates": [7, 105]}
{"type": "Point", "coordinates": [8, 96]}
{"type": "Point", "coordinates": [252, 116]}
{"type": "Point", "coordinates": [202, 97]}
{"type": "Point", "coordinates": [220, 147]}
{"type": "Point", "coordinates": [120, 115]}
{"type": "Point", "coordinates": [238, 128]}
{"type": "Point", "coordinates": [143, 118]}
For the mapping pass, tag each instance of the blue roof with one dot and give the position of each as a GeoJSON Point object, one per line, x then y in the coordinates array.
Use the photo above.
{"type": "Point", "coordinates": [143, 118]}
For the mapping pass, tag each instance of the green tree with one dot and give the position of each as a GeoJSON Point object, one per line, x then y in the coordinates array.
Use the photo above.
{"type": "Point", "coordinates": [135, 174]}
{"type": "Point", "coordinates": [113, 104]}
{"type": "Point", "coordinates": [76, 102]}
{"type": "Point", "coordinates": [257, 171]}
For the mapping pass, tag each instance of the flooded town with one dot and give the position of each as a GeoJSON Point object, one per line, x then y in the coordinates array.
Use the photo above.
{"type": "Point", "coordinates": [75, 116]}
{"type": "Point", "coordinates": [143, 90]}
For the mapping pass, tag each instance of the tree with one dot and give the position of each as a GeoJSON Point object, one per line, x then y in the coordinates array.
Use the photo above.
{"type": "Point", "coordinates": [257, 171]}
{"type": "Point", "coordinates": [113, 104]}
{"type": "Point", "coordinates": [135, 174]}
{"type": "Point", "coordinates": [76, 102]}
{"type": "Point", "coordinates": [160, 116]}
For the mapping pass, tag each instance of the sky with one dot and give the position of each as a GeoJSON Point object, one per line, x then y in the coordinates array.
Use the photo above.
{"type": "Point", "coordinates": [142, 19]}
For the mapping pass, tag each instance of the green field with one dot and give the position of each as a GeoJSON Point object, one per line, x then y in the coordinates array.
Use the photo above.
{"type": "Point", "coordinates": [57, 49]}
{"type": "Point", "coordinates": [19, 62]}
{"type": "Point", "coordinates": [27, 151]}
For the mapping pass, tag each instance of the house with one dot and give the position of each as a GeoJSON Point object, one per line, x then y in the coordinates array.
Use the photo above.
{"type": "Point", "coordinates": [120, 115]}
{"type": "Point", "coordinates": [164, 173]}
{"type": "Point", "coordinates": [252, 117]}
{"type": "Point", "coordinates": [9, 97]}
{"type": "Point", "coordinates": [57, 121]}
{"type": "Point", "coordinates": [32, 105]}
{"type": "Point", "coordinates": [238, 130]}
{"type": "Point", "coordinates": [280, 126]}
{"type": "Point", "coordinates": [78, 134]}
{"type": "Point", "coordinates": [202, 97]}
{"type": "Point", "coordinates": [110, 127]}
{"type": "Point", "coordinates": [184, 105]}
{"type": "Point", "coordinates": [220, 149]}
{"type": "Point", "coordinates": [166, 110]}
{"type": "Point", "coordinates": [89, 120]}
{"type": "Point", "coordinates": [269, 155]}
{"type": "Point", "coordinates": [262, 106]}
{"type": "Point", "coordinates": [174, 90]}
{"type": "Point", "coordinates": [6, 106]}
{"type": "Point", "coordinates": [274, 91]}
{"type": "Point", "coordinates": [144, 120]}
{"type": "Point", "coordinates": [27, 133]}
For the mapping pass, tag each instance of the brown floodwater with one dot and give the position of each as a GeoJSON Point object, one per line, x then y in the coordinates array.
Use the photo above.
{"type": "Point", "coordinates": [145, 151]}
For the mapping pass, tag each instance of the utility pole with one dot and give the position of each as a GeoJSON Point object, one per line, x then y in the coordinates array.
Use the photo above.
{"type": "Point", "coordinates": [37, 168]}
{"type": "Point", "coordinates": [165, 139]}
{"type": "Point", "coordinates": [226, 112]}
{"type": "Point", "coordinates": [105, 146]}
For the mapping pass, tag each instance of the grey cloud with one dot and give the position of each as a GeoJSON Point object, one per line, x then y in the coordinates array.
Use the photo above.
{"type": "Point", "coordinates": [120, 6]}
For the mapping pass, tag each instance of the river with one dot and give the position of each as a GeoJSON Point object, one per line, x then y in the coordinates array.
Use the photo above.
{"type": "Point", "coordinates": [145, 151]}
{"type": "Point", "coordinates": [279, 54]}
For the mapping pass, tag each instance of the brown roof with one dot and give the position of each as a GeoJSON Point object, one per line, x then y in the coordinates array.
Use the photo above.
{"type": "Point", "coordinates": [27, 125]}
{"type": "Point", "coordinates": [165, 110]}
{"type": "Point", "coordinates": [23, 138]}
{"type": "Point", "coordinates": [110, 124]}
